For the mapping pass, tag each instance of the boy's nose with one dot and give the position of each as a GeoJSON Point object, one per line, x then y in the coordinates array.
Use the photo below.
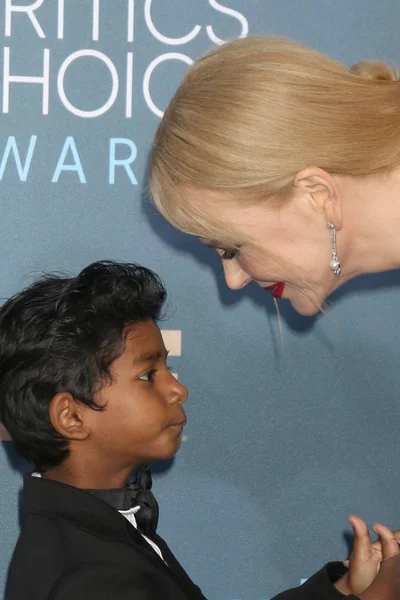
{"type": "Point", "coordinates": [235, 277]}
{"type": "Point", "coordinates": [179, 393]}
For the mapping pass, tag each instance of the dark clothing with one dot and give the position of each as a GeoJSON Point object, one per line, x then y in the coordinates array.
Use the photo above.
{"type": "Point", "coordinates": [74, 546]}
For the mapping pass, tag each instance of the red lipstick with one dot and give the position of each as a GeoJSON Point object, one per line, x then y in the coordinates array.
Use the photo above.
{"type": "Point", "coordinates": [276, 289]}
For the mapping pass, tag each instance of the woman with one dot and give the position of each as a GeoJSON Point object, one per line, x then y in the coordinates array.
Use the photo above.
{"type": "Point", "coordinates": [286, 162]}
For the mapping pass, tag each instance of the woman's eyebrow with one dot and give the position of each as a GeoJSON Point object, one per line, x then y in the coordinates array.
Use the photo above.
{"type": "Point", "coordinates": [210, 243]}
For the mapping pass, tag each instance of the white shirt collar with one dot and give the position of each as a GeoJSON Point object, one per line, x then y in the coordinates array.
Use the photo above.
{"type": "Point", "coordinates": [130, 516]}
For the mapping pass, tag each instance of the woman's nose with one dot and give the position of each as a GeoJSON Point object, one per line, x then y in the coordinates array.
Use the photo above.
{"type": "Point", "coordinates": [235, 277]}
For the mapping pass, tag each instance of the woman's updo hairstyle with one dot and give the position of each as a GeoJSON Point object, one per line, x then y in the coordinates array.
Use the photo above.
{"type": "Point", "coordinates": [375, 70]}
{"type": "Point", "coordinates": [252, 113]}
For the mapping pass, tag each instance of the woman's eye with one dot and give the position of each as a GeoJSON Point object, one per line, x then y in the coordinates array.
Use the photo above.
{"type": "Point", "coordinates": [229, 254]}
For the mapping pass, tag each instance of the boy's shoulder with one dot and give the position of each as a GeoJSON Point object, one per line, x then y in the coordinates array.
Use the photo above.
{"type": "Point", "coordinates": [69, 512]}
{"type": "Point", "coordinates": [72, 541]}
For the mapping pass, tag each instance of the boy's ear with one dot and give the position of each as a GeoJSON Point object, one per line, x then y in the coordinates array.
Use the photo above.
{"type": "Point", "coordinates": [68, 417]}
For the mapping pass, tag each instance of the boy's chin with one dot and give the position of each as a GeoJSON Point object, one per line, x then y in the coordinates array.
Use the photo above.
{"type": "Point", "coordinates": [175, 449]}
{"type": "Point", "coordinates": [168, 452]}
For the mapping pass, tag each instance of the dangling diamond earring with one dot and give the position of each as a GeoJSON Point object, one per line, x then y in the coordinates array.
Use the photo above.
{"type": "Point", "coordinates": [334, 265]}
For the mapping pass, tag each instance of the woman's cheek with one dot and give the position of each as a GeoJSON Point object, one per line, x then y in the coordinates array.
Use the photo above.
{"type": "Point", "coordinates": [257, 270]}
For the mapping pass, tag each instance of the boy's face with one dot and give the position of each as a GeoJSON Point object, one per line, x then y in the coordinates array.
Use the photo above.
{"type": "Point", "coordinates": [143, 417]}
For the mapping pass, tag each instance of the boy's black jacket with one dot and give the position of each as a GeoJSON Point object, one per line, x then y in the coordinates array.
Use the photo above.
{"type": "Point", "coordinates": [74, 546]}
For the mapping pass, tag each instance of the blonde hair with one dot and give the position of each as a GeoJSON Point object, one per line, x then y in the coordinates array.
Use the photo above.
{"type": "Point", "coordinates": [252, 113]}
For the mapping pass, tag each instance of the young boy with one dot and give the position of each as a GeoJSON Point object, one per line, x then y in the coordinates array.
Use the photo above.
{"type": "Point", "coordinates": [87, 397]}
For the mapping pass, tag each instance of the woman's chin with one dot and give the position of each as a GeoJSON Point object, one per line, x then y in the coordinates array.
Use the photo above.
{"type": "Point", "coordinates": [304, 307]}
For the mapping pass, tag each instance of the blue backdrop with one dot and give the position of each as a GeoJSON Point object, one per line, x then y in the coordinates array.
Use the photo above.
{"type": "Point", "coordinates": [284, 440]}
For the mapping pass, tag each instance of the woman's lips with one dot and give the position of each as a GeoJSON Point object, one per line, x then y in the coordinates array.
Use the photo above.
{"type": "Point", "coordinates": [276, 289]}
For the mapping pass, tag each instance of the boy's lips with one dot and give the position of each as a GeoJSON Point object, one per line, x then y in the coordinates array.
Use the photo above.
{"type": "Point", "coordinates": [181, 423]}
{"type": "Point", "coordinates": [276, 289]}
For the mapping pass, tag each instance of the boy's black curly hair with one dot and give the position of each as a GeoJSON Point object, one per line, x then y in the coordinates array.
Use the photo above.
{"type": "Point", "coordinates": [62, 334]}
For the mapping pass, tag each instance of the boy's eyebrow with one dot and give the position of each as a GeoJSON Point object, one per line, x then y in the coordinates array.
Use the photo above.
{"type": "Point", "coordinates": [149, 356]}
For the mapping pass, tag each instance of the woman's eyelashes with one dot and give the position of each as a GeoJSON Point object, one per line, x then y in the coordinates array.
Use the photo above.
{"type": "Point", "coordinates": [229, 254]}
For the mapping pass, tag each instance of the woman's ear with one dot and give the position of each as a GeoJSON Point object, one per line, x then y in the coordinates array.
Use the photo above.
{"type": "Point", "coordinates": [322, 192]}
{"type": "Point", "coordinates": [68, 417]}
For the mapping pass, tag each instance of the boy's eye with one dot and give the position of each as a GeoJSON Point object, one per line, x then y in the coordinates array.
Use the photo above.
{"type": "Point", "coordinates": [147, 376]}
{"type": "Point", "coordinates": [229, 254]}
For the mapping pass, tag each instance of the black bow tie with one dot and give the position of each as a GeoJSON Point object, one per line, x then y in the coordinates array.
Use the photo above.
{"type": "Point", "coordinates": [133, 494]}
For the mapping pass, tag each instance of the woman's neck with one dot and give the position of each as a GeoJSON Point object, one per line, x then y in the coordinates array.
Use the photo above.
{"type": "Point", "coordinates": [369, 241]}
